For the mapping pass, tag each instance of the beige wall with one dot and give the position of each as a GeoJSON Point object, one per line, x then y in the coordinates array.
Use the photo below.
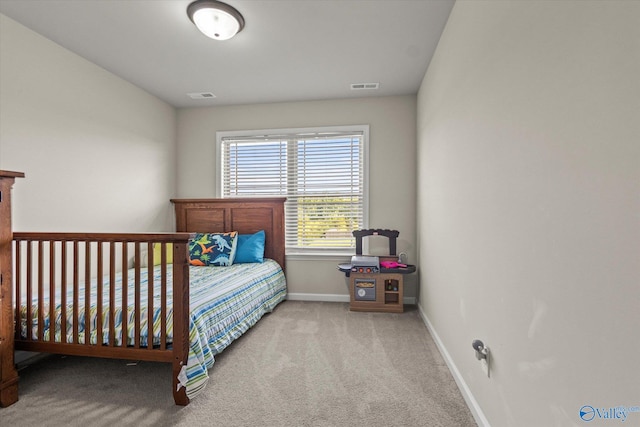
{"type": "Point", "coordinates": [98, 153]}
{"type": "Point", "coordinates": [392, 168]}
{"type": "Point", "coordinates": [528, 202]}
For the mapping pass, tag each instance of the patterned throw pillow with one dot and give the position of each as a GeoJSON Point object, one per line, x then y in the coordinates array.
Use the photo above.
{"type": "Point", "coordinates": [217, 249]}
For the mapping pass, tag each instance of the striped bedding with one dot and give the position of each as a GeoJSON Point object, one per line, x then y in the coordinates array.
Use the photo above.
{"type": "Point", "coordinates": [224, 303]}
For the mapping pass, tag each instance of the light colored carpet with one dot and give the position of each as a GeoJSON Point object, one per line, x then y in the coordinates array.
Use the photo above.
{"type": "Point", "coordinates": [305, 364]}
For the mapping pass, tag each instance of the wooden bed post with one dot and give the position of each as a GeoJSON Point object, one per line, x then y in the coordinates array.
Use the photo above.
{"type": "Point", "coordinates": [180, 320]}
{"type": "Point", "coordinates": [8, 373]}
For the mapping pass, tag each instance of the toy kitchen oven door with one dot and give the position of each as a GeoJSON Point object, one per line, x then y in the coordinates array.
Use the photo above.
{"type": "Point", "coordinates": [364, 289]}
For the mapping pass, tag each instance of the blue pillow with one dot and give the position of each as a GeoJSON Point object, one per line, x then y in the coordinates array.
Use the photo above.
{"type": "Point", "coordinates": [217, 249]}
{"type": "Point", "coordinates": [250, 248]}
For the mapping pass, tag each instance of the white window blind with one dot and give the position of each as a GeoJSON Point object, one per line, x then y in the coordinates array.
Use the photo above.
{"type": "Point", "coordinates": [322, 175]}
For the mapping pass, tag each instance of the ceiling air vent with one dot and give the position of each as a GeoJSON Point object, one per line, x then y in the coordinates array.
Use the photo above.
{"type": "Point", "coordinates": [364, 86]}
{"type": "Point", "coordinates": [201, 95]}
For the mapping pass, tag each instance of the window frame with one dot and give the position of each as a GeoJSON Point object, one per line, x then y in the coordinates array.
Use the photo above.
{"type": "Point", "coordinates": [305, 253]}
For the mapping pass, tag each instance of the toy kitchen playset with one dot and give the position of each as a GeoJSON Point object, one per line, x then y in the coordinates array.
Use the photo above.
{"type": "Point", "coordinates": [376, 282]}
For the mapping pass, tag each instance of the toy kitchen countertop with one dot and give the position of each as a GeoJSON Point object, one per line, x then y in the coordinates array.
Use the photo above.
{"type": "Point", "coordinates": [346, 268]}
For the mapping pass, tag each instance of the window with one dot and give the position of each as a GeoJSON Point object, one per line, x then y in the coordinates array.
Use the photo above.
{"type": "Point", "coordinates": [322, 173]}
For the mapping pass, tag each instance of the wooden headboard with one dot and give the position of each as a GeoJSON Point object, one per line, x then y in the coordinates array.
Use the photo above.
{"type": "Point", "coordinates": [246, 216]}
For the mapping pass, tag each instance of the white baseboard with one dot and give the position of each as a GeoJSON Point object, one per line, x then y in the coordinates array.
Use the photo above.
{"type": "Point", "coordinates": [333, 298]}
{"type": "Point", "coordinates": [317, 297]}
{"type": "Point", "coordinates": [471, 401]}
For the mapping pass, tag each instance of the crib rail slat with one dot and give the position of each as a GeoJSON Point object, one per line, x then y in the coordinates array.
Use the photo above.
{"type": "Point", "coordinates": [163, 297]}
{"type": "Point", "coordinates": [40, 292]}
{"type": "Point", "coordinates": [17, 292]}
{"type": "Point", "coordinates": [136, 320]}
{"type": "Point", "coordinates": [29, 292]}
{"type": "Point", "coordinates": [150, 287]}
{"type": "Point", "coordinates": [52, 293]}
{"type": "Point", "coordinates": [100, 268]}
{"type": "Point", "coordinates": [112, 293]}
{"type": "Point", "coordinates": [76, 291]}
{"type": "Point", "coordinates": [63, 293]}
{"type": "Point", "coordinates": [125, 303]}
{"type": "Point", "coordinates": [87, 294]}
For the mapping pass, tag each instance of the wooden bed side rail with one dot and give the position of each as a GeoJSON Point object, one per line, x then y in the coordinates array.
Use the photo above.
{"type": "Point", "coordinates": [66, 265]}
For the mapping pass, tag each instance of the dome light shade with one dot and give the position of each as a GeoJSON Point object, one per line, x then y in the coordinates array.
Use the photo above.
{"type": "Point", "coordinates": [215, 19]}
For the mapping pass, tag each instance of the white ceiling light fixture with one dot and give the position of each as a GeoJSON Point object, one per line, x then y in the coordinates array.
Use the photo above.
{"type": "Point", "coordinates": [215, 19]}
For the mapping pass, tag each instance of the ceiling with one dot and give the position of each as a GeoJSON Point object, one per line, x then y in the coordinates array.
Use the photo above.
{"type": "Point", "coordinates": [289, 50]}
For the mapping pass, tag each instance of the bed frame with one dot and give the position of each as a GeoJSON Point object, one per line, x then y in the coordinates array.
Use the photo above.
{"type": "Point", "coordinates": [50, 262]}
